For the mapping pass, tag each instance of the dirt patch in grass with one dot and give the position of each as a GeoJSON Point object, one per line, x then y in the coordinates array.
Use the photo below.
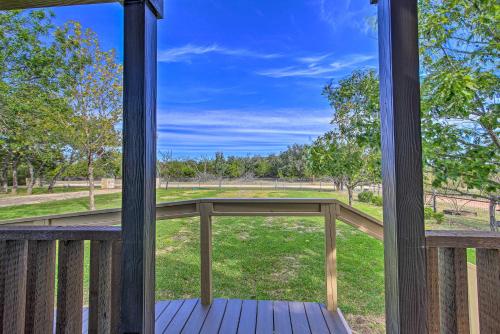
{"type": "Point", "coordinates": [366, 324]}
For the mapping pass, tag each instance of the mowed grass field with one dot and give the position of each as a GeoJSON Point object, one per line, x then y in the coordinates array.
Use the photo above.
{"type": "Point", "coordinates": [279, 258]}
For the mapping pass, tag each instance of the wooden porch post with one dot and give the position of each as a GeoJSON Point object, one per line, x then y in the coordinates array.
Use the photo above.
{"type": "Point", "coordinates": [139, 165]}
{"type": "Point", "coordinates": [404, 238]}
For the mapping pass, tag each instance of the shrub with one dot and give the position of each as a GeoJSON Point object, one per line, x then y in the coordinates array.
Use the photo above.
{"type": "Point", "coordinates": [377, 200]}
{"type": "Point", "coordinates": [365, 196]}
{"type": "Point", "coordinates": [439, 217]}
{"type": "Point", "coordinates": [428, 213]}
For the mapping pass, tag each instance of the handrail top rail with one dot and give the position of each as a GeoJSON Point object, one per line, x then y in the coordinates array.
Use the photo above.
{"type": "Point", "coordinates": [60, 233]}
{"type": "Point", "coordinates": [462, 239]}
{"type": "Point", "coordinates": [174, 204]}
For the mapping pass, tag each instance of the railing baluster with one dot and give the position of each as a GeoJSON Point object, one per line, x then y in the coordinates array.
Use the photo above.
{"type": "Point", "coordinates": [70, 287]}
{"type": "Point", "coordinates": [432, 291]}
{"type": "Point", "coordinates": [116, 283]}
{"type": "Point", "coordinates": [330, 211]}
{"type": "Point", "coordinates": [100, 287]}
{"type": "Point", "coordinates": [40, 286]}
{"type": "Point", "coordinates": [453, 294]}
{"type": "Point", "coordinates": [14, 266]}
{"type": "Point", "coordinates": [488, 283]}
{"type": "Point", "coordinates": [206, 252]}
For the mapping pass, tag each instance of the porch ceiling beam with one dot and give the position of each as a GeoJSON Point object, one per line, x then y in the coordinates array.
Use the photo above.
{"type": "Point", "coordinates": [156, 5]}
{"type": "Point", "coordinates": [25, 4]}
{"type": "Point", "coordinates": [404, 234]}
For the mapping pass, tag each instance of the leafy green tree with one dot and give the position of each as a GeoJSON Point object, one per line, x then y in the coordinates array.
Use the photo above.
{"type": "Point", "coordinates": [94, 93]}
{"type": "Point", "coordinates": [356, 107]}
{"type": "Point", "coordinates": [460, 96]}
{"type": "Point", "coordinates": [30, 103]}
{"type": "Point", "coordinates": [335, 156]}
{"type": "Point", "coordinates": [220, 167]}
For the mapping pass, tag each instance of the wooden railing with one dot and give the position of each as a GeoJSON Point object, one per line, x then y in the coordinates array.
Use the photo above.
{"type": "Point", "coordinates": [454, 306]}
{"type": "Point", "coordinates": [456, 302]}
{"type": "Point", "coordinates": [28, 279]}
{"type": "Point", "coordinates": [330, 209]}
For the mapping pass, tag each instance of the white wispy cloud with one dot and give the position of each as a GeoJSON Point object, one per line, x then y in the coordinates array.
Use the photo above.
{"type": "Point", "coordinates": [315, 69]}
{"type": "Point", "coordinates": [344, 13]}
{"type": "Point", "coordinates": [186, 52]}
{"type": "Point", "coordinates": [238, 131]}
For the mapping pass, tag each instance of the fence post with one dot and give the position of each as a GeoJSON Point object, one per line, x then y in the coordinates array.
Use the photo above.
{"type": "Point", "coordinates": [330, 212]}
{"type": "Point", "coordinates": [206, 252]}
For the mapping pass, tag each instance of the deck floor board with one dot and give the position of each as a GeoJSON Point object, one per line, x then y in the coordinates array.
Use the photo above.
{"type": "Point", "coordinates": [236, 316]}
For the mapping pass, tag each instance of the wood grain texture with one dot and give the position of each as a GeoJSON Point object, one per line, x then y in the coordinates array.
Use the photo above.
{"type": "Point", "coordinates": [139, 168]}
{"type": "Point", "coordinates": [116, 283]}
{"type": "Point", "coordinates": [60, 233]}
{"type": "Point", "coordinates": [463, 239]}
{"type": "Point", "coordinates": [433, 291]}
{"type": "Point", "coordinates": [206, 252]}
{"type": "Point", "coordinates": [453, 293]}
{"type": "Point", "coordinates": [3, 257]}
{"type": "Point", "coordinates": [69, 287]}
{"type": "Point", "coordinates": [14, 266]}
{"type": "Point", "coordinates": [100, 287]}
{"type": "Point", "coordinates": [488, 283]}
{"type": "Point", "coordinates": [40, 287]}
{"type": "Point", "coordinates": [404, 240]}
{"type": "Point", "coordinates": [24, 4]}
{"type": "Point", "coordinates": [330, 211]}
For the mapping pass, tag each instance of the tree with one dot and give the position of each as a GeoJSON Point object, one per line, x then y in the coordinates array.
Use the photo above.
{"type": "Point", "coordinates": [335, 156]}
{"type": "Point", "coordinates": [460, 96]}
{"type": "Point", "coordinates": [351, 151]}
{"type": "Point", "coordinates": [165, 166]}
{"type": "Point", "coordinates": [220, 167]}
{"type": "Point", "coordinates": [94, 94]}
{"type": "Point", "coordinates": [356, 107]}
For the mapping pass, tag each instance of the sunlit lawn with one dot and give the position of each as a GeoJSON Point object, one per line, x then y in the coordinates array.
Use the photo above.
{"type": "Point", "coordinates": [254, 257]}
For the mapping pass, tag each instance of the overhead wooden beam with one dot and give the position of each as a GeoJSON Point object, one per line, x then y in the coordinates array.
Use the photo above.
{"type": "Point", "coordinates": [404, 237]}
{"type": "Point", "coordinates": [139, 166]}
{"type": "Point", "coordinates": [25, 4]}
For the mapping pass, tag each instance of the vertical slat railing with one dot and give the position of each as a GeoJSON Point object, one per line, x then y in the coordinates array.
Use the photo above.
{"type": "Point", "coordinates": [14, 266]}
{"type": "Point", "coordinates": [100, 286]}
{"type": "Point", "coordinates": [70, 287]}
{"type": "Point", "coordinates": [27, 279]}
{"type": "Point", "coordinates": [452, 306]}
{"type": "Point", "coordinates": [433, 312]}
{"type": "Point", "coordinates": [40, 287]}
{"type": "Point", "coordinates": [488, 283]}
{"type": "Point", "coordinates": [453, 295]}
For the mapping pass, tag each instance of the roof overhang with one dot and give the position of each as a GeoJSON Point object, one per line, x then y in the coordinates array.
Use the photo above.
{"type": "Point", "coordinates": [156, 5]}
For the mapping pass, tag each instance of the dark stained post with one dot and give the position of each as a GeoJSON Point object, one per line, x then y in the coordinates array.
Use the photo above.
{"type": "Point", "coordinates": [139, 165]}
{"type": "Point", "coordinates": [404, 238]}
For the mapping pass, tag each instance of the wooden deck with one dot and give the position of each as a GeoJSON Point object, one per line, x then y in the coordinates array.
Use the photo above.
{"type": "Point", "coordinates": [228, 316]}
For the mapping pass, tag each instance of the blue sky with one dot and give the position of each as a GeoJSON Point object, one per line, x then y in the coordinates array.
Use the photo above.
{"type": "Point", "coordinates": [245, 77]}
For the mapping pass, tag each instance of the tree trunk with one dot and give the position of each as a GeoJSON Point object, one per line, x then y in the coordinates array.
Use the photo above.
{"type": "Point", "coordinates": [166, 184]}
{"type": "Point", "coordinates": [31, 182]}
{"type": "Point", "coordinates": [349, 191]}
{"type": "Point", "coordinates": [14, 176]}
{"type": "Point", "coordinates": [220, 183]}
{"type": "Point", "coordinates": [4, 175]}
{"type": "Point", "coordinates": [91, 185]}
{"type": "Point", "coordinates": [493, 221]}
{"type": "Point", "coordinates": [434, 200]}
